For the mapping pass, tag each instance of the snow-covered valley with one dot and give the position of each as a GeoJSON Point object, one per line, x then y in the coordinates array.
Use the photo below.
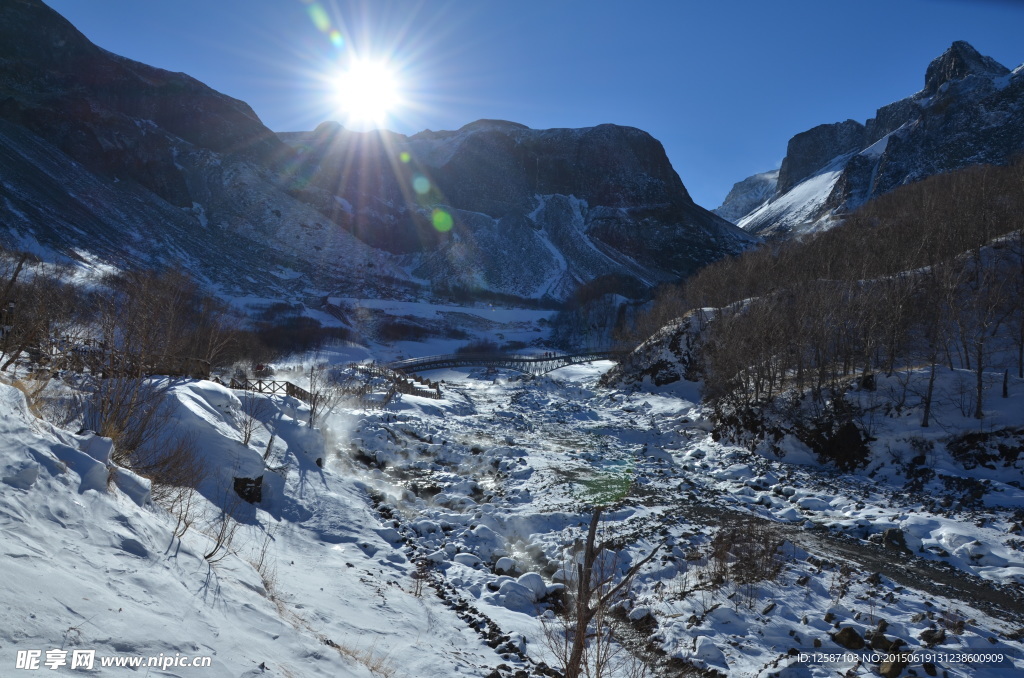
{"type": "Point", "coordinates": [259, 406]}
{"type": "Point", "coordinates": [435, 537]}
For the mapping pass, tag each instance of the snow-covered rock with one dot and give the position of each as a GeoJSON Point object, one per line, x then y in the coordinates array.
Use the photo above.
{"type": "Point", "coordinates": [535, 583]}
{"type": "Point", "coordinates": [669, 356]}
{"type": "Point", "coordinates": [517, 597]}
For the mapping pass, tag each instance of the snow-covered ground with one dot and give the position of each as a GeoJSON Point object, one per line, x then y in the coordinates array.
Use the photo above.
{"type": "Point", "coordinates": [796, 208]}
{"type": "Point", "coordinates": [432, 538]}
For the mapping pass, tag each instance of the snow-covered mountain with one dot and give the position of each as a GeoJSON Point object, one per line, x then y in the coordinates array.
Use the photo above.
{"type": "Point", "coordinates": [971, 111]}
{"type": "Point", "coordinates": [533, 212]}
{"type": "Point", "coordinates": [747, 195]}
{"type": "Point", "coordinates": [104, 159]}
{"type": "Point", "coordinates": [108, 161]}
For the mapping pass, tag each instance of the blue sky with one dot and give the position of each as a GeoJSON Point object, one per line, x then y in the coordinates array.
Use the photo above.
{"type": "Point", "coordinates": [723, 85]}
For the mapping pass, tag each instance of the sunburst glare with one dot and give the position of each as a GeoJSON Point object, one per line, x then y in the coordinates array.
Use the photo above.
{"type": "Point", "coordinates": [368, 92]}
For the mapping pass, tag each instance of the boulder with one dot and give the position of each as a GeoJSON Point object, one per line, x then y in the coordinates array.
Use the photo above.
{"type": "Point", "coordinates": [932, 637]}
{"type": "Point", "coordinates": [250, 489]}
{"type": "Point", "coordinates": [505, 565]}
{"type": "Point", "coordinates": [893, 539]}
{"type": "Point", "coordinates": [467, 559]}
{"type": "Point", "coordinates": [516, 597]}
{"type": "Point", "coordinates": [535, 583]}
{"type": "Point", "coordinates": [709, 653]}
{"type": "Point", "coordinates": [893, 665]}
{"type": "Point", "coordinates": [849, 638]}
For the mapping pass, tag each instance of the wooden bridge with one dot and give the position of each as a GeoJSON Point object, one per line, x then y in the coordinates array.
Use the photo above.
{"type": "Point", "coordinates": [359, 393]}
{"type": "Point", "coordinates": [401, 382]}
{"type": "Point", "coordinates": [527, 364]}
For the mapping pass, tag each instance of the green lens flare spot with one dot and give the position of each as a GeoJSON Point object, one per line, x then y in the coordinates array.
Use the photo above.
{"type": "Point", "coordinates": [607, 488]}
{"type": "Point", "coordinates": [319, 16]}
{"type": "Point", "coordinates": [404, 157]}
{"type": "Point", "coordinates": [336, 39]}
{"type": "Point", "coordinates": [442, 221]}
{"type": "Point", "coordinates": [421, 185]}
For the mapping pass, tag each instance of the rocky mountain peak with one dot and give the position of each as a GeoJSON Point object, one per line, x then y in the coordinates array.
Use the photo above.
{"type": "Point", "coordinates": [489, 123]}
{"type": "Point", "coordinates": [956, 63]}
{"type": "Point", "coordinates": [809, 151]}
{"type": "Point", "coordinates": [605, 199]}
{"type": "Point", "coordinates": [970, 112]}
{"type": "Point", "coordinates": [167, 171]}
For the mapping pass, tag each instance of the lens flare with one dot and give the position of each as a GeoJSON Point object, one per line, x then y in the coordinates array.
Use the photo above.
{"type": "Point", "coordinates": [319, 16]}
{"type": "Point", "coordinates": [367, 91]}
{"type": "Point", "coordinates": [442, 221]}
{"type": "Point", "coordinates": [421, 184]}
{"type": "Point", "coordinates": [405, 157]}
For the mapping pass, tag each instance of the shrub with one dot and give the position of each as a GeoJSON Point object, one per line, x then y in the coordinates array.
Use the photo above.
{"type": "Point", "coordinates": [480, 346]}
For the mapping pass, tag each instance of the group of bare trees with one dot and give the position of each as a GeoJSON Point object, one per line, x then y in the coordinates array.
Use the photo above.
{"type": "Point", "coordinates": [164, 316]}
{"type": "Point", "coordinates": [37, 307]}
{"type": "Point", "coordinates": [930, 275]}
{"type": "Point", "coordinates": [107, 338]}
{"type": "Point", "coordinates": [128, 322]}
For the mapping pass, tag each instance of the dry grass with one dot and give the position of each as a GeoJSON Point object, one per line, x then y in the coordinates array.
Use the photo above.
{"type": "Point", "coordinates": [33, 388]}
{"type": "Point", "coordinates": [747, 555]}
{"type": "Point", "coordinates": [378, 662]}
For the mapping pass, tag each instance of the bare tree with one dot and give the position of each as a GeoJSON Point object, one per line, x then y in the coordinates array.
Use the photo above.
{"type": "Point", "coordinates": [176, 468]}
{"type": "Point", "coordinates": [223, 527]}
{"type": "Point", "coordinates": [254, 408]}
{"type": "Point", "coordinates": [323, 396]}
{"type": "Point", "coordinates": [595, 591]}
{"type": "Point", "coordinates": [982, 313]}
{"type": "Point", "coordinates": [132, 411]}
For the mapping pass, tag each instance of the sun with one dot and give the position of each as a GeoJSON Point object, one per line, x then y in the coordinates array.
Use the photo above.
{"type": "Point", "coordinates": [367, 92]}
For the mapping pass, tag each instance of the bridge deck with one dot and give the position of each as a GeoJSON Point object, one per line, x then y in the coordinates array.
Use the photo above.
{"type": "Point", "coordinates": [526, 364]}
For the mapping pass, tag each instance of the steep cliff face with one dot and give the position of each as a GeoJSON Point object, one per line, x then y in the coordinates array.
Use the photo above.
{"type": "Point", "coordinates": [813, 149]}
{"type": "Point", "coordinates": [971, 111]}
{"type": "Point", "coordinates": [532, 212]}
{"type": "Point", "coordinates": [958, 62]}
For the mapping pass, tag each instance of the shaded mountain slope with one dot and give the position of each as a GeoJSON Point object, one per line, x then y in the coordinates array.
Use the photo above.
{"type": "Point", "coordinates": [112, 161]}
{"type": "Point", "coordinates": [532, 212]}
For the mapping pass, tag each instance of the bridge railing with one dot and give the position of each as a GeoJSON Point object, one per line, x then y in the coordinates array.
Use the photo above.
{"type": "Point", "coordinates": [402, 382]}
{"type": "Point", "coordinates": [272, 387]}
{"type": "Point", "coordinates": [500, 359]}
{"type": "Point", "coordinates": [412, 362]}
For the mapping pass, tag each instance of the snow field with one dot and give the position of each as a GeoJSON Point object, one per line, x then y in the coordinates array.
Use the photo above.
{"type": "Point", "coordinates": [88, 567]}
{"type": "Point", "coordinates": [558, 443]}
{"type": "Point", "coordinates": [487, 491]}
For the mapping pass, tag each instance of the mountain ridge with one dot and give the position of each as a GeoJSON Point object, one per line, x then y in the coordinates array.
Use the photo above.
{"type": "Point", "coordinates": [189, 174]}
{"type": "Point", "coordinates": [970, 111]}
